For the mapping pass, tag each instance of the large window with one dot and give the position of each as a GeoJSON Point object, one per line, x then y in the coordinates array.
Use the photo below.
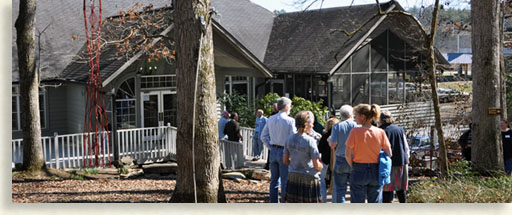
{"type": "Point", "coordinates": [125, 105]}
{"type": "Point", "coordinates": [16, 109]}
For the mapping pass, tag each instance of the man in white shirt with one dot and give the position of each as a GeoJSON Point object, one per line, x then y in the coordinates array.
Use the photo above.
{"type": "Point", "coordinates": [274, 135]}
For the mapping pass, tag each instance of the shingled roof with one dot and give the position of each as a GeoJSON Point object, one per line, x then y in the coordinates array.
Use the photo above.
{"type": "Point", "coordinates": [64, 19]}
{"type": "Point", "coordinates": [110, 58]}
{"type": "Point", "coordinates": [309, 41]}
{"type": "Point", "coordinates": [249, 23]}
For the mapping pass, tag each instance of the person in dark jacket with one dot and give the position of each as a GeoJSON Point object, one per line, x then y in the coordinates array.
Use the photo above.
{"type": "Point", "coordinates": [465, 143]}
{"type": "Point", "coordinates": [399, 160]}
{"type": "Point", "coordinates": [506, 138]}
{"type": "Point", "coordinates": [232, 128]}
{"type": "Point", "coordinates": [325, 151]}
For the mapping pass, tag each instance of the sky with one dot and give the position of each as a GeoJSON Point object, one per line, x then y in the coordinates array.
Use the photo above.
{"type": "Point", "coordinates": [287, 5]}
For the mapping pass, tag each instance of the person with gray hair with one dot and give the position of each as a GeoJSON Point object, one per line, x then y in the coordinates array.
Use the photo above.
{"type": "Point", "coordinates": [399, 160]}
{"type": "Point", "coordinates": [274, 135]}
{"type": "Point", "coordinates": [339, 135]}
{"type": "Point", "coordinates": [222, 124]}
{"type": "Point", "coordinates": [257, 144]}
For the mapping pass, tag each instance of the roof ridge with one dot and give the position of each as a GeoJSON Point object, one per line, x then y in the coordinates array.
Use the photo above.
{"type": "Point", "coordinates": [330, 9]}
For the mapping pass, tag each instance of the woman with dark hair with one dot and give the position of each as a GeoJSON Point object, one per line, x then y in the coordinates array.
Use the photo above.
{"type": "Point", "coordinates": [399, 161]}
{"type": "Point", "coordinates": [302, 156]}
{"type": "Point", "coordinates": [362, 153]}
{"type": "Point", "coordinates": [325, 151]}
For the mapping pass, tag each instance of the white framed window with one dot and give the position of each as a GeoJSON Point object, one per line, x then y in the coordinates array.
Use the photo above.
{"type": "Point", "coordinates": [158, 82]}
{"type": "Point", "coordinates": [16, 109]}
{"type": "Point", "coordinates": [125, 105]}
{"type": "Point", "coordinates": [237, 83]}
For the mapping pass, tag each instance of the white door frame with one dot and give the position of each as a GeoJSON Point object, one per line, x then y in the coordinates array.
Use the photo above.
{"type": "Point", "coordinates": [160, 96]}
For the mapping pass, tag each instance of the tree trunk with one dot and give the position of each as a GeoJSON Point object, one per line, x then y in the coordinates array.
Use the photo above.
{"type": "Point", "coordinates": [503, 85]}
{"type": "Point", "coordinates": [486, 150]}
{"type": "Point", "coordinates": [206, 154]}
{"type": "Point", "coordinates": [443, 157]}
{"type": "Point", "coordinates": [33, 159]}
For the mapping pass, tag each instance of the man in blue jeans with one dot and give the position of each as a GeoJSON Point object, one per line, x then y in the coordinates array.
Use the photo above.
{"type": "Point", "coordinates": [257, 144]}
{"type": "Point", "coordinates": [339, 135]}
{"type": "Point", "coordinates": [274, 135]}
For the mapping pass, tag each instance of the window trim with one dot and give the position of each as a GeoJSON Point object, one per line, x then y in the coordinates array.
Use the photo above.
{"type": "Point", "coordinates": [16, 94]}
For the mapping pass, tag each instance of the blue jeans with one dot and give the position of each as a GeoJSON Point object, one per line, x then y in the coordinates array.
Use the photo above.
{"type": "Point", "coordinates": [341, 177]}
{"type": "Point", "coordinates": [278, 174]}
{"type": "Point", "coordinates": [323, 185]}
{"type": "Point", "coordinates": [508, 166]}
{"type": "Point", "coordinates": [364, 183]}
{"type": "Point", "coordinates": [257, 146]}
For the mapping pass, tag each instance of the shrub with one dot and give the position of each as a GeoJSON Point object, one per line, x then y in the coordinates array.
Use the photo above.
{"type": "Point", "coordinates": [238, 103]}
{"type": "Point", "coordinates": [299, 104]}
{"type": "Point", "coordinates": [266, 103]}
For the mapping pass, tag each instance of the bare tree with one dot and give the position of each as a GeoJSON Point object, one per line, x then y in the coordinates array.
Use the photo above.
{"type": "Point", "coordinates": [429, 41]}
{"type": "Point", "coordinates": [33, 159]}
{"type": "Point", "coordinates": [486, 146]}
{"type": "Point", "coordinates": [197, 155]}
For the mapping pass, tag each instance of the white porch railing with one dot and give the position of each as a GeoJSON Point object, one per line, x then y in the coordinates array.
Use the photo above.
{"type": "Point", "coordinates": [64, 151]}
{"type": "Point", "coordinates": [231, 154]}
{"type": "Point", "coordinates": [145, 145]}
{"type": "Point", "coordinates": [247, 135]}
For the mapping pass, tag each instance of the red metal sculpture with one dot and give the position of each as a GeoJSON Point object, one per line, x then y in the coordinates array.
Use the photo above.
{"type": "Point", "coordinates": [96, 132]}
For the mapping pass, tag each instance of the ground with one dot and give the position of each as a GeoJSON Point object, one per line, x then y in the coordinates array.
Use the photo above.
{"type": "Point", "coordinates": [55, 186]}
{"type": "Point", "coordinates": [139, 190]}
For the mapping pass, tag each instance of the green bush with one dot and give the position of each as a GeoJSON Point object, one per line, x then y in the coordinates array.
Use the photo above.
{"type": "Point", "coordinates": [299, 104]}
{"type": "Point", "coordinates": [237, 103]}
{"type": "Point", "coordinates": [267, 102]}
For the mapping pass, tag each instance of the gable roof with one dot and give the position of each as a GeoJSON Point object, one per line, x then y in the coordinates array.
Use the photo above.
{"type": "Point", "coordinates": [458, 58]}
{"type": "Point", "coordinates": [307, 42]}
{"type": "Point", "coordinates": [112, 65]}
{"type": "Point", "coordinates": [249, 23]}
{"type": "Point", "coordinates": [64, 19]}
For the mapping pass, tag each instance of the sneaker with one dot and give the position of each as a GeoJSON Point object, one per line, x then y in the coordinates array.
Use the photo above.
{"type": "Point", "coordinates": [255, 159]}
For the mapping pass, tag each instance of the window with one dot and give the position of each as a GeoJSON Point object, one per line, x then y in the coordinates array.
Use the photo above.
{"type": "Point", "coordinates": [158, 82]}
{"type": "Point", "coordinates": [125, 105]}
{"type": "Point", "coordinates": [239, 84]}
{"type": "Point", "coordinates": [16, 109]}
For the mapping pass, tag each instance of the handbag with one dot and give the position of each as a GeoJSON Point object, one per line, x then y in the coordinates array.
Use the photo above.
{"type": "Point", "coordinates": [384, 168]}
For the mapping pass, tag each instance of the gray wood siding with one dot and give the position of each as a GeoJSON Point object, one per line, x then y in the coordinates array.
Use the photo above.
{"type": "Point", "coordinates": [56, 111]}
{"type": "Point", "coordinates": [75, 94]}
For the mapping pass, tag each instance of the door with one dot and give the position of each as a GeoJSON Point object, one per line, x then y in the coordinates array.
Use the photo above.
{"type": "Point", "coordinates": [158, 108]}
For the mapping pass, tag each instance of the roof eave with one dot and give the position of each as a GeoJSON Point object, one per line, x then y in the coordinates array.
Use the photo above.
{"type": "Point", "coordinates": [243, 50]}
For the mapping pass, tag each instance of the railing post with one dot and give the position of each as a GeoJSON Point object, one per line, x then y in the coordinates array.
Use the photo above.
{"type": "Point", "coordinates": [56, 144]}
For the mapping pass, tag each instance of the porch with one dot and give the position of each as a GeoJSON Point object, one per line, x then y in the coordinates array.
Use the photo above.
{"type": "Point", "coordinates": [144, 145]}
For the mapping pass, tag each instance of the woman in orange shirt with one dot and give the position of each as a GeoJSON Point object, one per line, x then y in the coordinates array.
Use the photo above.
{"type": "Point", "coordinates": [362, 153]}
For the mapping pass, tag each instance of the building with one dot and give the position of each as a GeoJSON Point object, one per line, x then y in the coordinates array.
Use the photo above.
{"type": "Point", "coordinates": [312, 56]}
{"type": "Point", "coordinates": [303, 54]}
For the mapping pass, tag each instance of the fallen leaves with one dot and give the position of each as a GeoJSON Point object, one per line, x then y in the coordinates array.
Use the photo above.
{"type": "Point", "coordinates": [49, 190]}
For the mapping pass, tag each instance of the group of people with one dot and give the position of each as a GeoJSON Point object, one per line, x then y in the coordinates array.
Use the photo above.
{"type": "Point", "coordinates": [299, 156]}
{"type": "Point", "coordinates": [465, 142]}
